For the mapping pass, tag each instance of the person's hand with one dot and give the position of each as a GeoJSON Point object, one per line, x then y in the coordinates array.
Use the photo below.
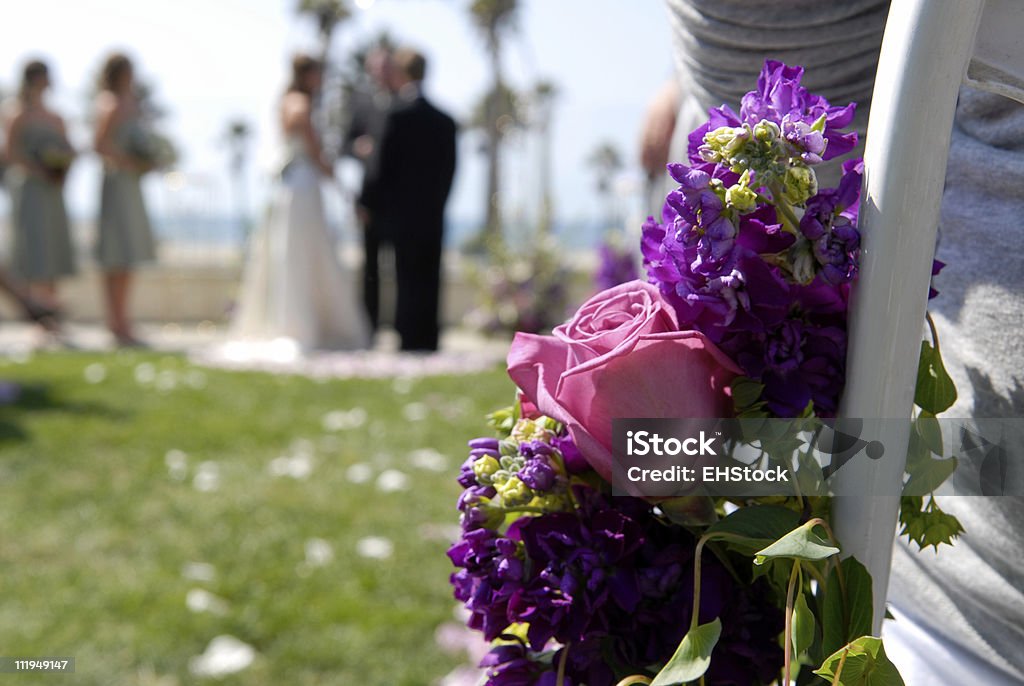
{"type": "Point", "coordinates": [659, 125]}
{"type": "Point", "coordinates": [363, 146]}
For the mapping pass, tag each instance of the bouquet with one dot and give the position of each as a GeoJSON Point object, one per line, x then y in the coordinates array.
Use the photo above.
{"type": "Point", "coordinates": [743, 316]}
{"type": "Point", "coordinates": [54, 155]}
{"type": "Point", "coordinates": [151, 149]}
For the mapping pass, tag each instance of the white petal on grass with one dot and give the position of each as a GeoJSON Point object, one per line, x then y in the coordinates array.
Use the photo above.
{"type": "Point", "coordinates": [403, 385]}
{"type": "Point", "coordinates": [199, 571]}
{"type": "Point", "coordinates": [392, 481]}
{"type": "Point", "coordinates": [375, 548]}
{"type": "Point", "coordinates": [177, 464]}
{"type": "Point", "coordinates": [343, 420]}
{"type": "Point", "coordinates": [207, 478]}
{"type": "Point", "coordinates": [166, 381]}
{"type": "Point", "coordinates": [415, 412]}
{"type": "Point", "coordinates": [195, 379]}
{"type": "Point", "coordinates": [318, 552]}
{"type": "Point", "coordinates": [298, 466]}
{"type": "Point", "coordinates": [428, 459]}
{"type": "Point", "coordinates": [95, 373]}
{"type": "Point", "coordinates": [223, 656]}
{"type": "Point", "coordinates": [359, 473]}
{"type": "Point", "coordinates": [145, 373]}
{"type": "Point", "coordinates": [200, 600]}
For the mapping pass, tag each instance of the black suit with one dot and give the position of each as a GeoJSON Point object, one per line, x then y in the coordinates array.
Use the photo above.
{"type": "Point", "coordinates": [406, 190]}
{"type": "Point", "coordinates": [369, 111]}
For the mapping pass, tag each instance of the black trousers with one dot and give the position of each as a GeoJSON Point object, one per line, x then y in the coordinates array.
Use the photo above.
{"type": "Point", "coordinates": [371, 273]}
{"type": "Point", "coordinates": [417, 315]}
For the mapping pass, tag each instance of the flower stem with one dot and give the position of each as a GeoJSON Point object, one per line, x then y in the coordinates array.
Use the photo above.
{"type": "Point", "coordinates": [696, 581]}
{"type": "Point", "coordinates": [560, 678]}
{"type": "Point", "coordinates": [634, 680]}
{"type": "Point", "coordinates": [839, 667]}
{"type": "Point", "coordinates": [788, 638]}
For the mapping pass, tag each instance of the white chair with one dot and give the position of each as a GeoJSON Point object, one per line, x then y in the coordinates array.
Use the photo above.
{"type": "Point", "coordinates": [930, 47]}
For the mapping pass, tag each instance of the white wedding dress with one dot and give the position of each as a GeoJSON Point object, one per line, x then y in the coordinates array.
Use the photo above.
{"type": "Point", "coordinates": [296, 295]}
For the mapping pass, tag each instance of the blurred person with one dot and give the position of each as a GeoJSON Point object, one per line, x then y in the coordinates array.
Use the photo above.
{"type": "Point", "coordinates": [295, 289]}
{"type": "Point", "coordinates": [370, 107]}
{"type": "Point", "coordinates": [405, 193]}
{"type": "Point", "coordinates": [39, 155]}
{"type": "Point", "coordinates": [960, 614]}
{"type": "Point", "coordinates": [125, 237]}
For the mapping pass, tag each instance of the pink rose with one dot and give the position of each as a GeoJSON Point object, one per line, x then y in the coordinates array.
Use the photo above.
{"type": "Point", "coordinates": [622, 355]}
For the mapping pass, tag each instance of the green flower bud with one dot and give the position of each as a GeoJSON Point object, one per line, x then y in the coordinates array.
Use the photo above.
{"type": "Point", "coordinates": [766, 131]}
{"type": "Point", "coordinates": [485, 468]}
{"type": "Point", "coordinates": [514, 492]}
{"type": "Point", "coordinates": [527, 430]}
{"type": "Point", "coordinates": [819, 125]}
{"type": "Point", "coordinates": [740, 196]}
{"type": "Point", "coordinates": [799, 184]}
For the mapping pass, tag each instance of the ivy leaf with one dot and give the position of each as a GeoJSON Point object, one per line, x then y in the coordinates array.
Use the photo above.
{"type": "Point", "coordinates": [799, 544]}
{"type": "Point", "coordinates": [865, 664]}
{"type": "Point", "coordinates": [928, 474]}
{"type": "Point", "coordinates": [693, 656]}
{"type": "Point", "coordinates": [935, 391]}
{"type": "Point", "coordinates": [745, 392]}
{"type": "Point", "coordinates": [847, 617]}
{"type": "Point", "coordinates": [928, 428]}
{"type": "Point", "coordinates": [930, 526]}
{"type": "Point", "coordinates": [803, 625]}
{"type": "Point", "coordinates": [751, 528]}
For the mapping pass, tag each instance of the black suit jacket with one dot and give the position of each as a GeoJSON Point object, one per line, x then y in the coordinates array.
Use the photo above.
{"type": "Point", "coordinates": [407, 184]}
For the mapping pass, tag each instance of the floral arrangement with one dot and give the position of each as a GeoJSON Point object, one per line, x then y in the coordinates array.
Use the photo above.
{"type": "Point", "coordinates": [55, 156]}
{"type": "Point", "coordinates": [152, 150]}
{"type": "Point", "coordinates": [743, 315]}
{"type": "Point", "coordinates": [520, 290]}
{"type": "Point", "coordinates": [616, 263]}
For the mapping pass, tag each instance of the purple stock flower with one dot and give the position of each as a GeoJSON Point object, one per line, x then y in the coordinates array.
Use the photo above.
{"type": "Point", "coordinates": [937, 266]}
{"type": "Point", "coordinates": [781, 99]}
{"type": "Point", "coordinates": [612, 582]}
{"type": "Point", "coordinates": [617, 266]}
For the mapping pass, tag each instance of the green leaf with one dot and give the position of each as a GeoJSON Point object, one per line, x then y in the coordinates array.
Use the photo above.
{"type": "Point", "coordinates": [866, 664]}
{"type": "Point", "coordinates": [847, 617]}
{"type": "Point", "coordinates": [745, 392]}
{"type": "Point", "coordinates": [803, 625]}
{"type": "Point", "coordinates": [930, 526]}
{"type": "Point", "coordinates": [751, 528]}
{"type": "Point", "coordinates": [935, 391]}
{"type": "Point", "coordinates": [799, 544]}
{"type": "Point", "coordinates": [693, 656]}
{"type": "Point", "coordinates": [928, 428]}
{"type": "Point", "coordinates": [929, 474]}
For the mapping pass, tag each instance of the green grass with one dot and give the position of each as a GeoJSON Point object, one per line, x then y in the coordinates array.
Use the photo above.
{"type": "Point", "coordinates": [95, 531]}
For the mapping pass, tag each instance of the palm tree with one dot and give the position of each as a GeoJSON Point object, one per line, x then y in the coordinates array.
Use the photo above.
{"type": "Point", "coordinates": [237, 137]}
{"type": "Point", "coordinates": [327, 14]}
{"type": "Point", "coordinates": [494, 18]}
{"type": "Point", "coordinates": [606, 161]}
{"type": "Point", "coordinates": [542, 101]}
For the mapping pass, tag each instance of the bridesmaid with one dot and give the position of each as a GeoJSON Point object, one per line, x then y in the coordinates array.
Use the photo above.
{"type": "Point", "coordinates": [40, 156]}
{"type": "Point", "coordinates": [125, 238]}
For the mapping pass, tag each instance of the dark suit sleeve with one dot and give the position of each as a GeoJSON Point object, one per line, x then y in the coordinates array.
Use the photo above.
{"type": "Point", "coordinates": [380, 167]}
{"type": "Point", "coordinates": [449, 154]}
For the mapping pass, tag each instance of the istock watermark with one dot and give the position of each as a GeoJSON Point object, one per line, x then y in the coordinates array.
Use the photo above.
{"type": "Point", "coordinates": [785, 457]}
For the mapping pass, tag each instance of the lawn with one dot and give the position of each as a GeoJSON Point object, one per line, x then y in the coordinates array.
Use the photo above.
{"type": "Point", "coordinates": [132, 483]}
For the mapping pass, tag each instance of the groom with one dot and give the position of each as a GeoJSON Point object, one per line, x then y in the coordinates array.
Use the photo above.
{"type": "Point", "coordinates": [405, 192]}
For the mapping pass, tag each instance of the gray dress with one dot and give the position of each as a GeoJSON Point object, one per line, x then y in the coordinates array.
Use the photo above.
{"type": "Point", "coordinates": [125, 238]}
{"type": "Point", "coordinates": [961, 612]}
{"type": "Point", "coordinates": [42, 249]}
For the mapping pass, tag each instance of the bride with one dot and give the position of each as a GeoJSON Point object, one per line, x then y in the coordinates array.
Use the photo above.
{"type": "Point", "coordinates": [296, 296]}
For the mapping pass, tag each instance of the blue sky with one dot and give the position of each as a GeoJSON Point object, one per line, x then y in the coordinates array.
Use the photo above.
{"type": "Point", "coordinates": [216, 59]}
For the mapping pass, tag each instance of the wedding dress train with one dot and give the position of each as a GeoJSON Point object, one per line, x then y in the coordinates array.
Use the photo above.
{"type": "Point", "coordinates": [296, 296]}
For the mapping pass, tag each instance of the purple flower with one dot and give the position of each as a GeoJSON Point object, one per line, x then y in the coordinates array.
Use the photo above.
{"type": "Point", "coordinates": [511, 664]}
{"type": "Point", "coordinates": [937, 266]}
{"type": "Point", "coordinates": [781, 99]}
{"type": "Point", "coordinates": [617, 266]}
